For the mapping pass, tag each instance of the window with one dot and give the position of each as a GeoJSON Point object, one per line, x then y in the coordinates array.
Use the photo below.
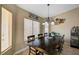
{"type": "Point", "coordinates": [27, 28]}
{"type": "Point", "coordinates": [36, 27]}
{"type": "Point", "coordinates": [30, 28]}
{"type": "Point", "coordinates": [46, 26]}
{"type": "Point", "coordinates": [6, 30]}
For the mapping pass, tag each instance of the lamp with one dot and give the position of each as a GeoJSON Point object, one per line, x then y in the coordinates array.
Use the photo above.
{"type": "Point", "coordinates": [48, 18]}
{"type": "Point", "coordinates": [54, 21]}
{"type": "Point", "coordinates": [59, 20]}
{"type": "Point", "coordinates": [43, 23]}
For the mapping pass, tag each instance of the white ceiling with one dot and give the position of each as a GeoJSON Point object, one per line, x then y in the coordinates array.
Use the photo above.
{"type": "Point", "coordinates": [42, 9]}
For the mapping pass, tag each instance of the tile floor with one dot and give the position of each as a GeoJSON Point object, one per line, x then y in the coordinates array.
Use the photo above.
{"type": "Point", "coordinates": [67, 50]}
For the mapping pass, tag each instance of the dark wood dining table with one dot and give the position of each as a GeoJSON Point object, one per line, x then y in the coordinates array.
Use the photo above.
{"type": "Point", "coordinates": [47, 44]}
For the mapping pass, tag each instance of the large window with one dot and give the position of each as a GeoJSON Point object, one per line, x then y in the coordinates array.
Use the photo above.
{"type": "Point", "coordinates": [46, 27]}
{"type": "Point", "coordinates": [6, 30]}
{"type": "Point", "coordinates": [36, 27]}
{"type": "Point", "coordinates": [31, 28]}
{"type": "Point", "coordinates": [27, 28]}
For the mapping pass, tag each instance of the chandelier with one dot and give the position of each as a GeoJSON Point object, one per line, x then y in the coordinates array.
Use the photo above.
{"type": "Point", "coordinates": [48, 19]}
{"type": "Point", "coordinates": [55, 21]}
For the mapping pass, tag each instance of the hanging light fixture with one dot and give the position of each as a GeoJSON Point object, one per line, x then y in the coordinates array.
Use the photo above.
{"type": "Point", "coordinates": [52, 23]}
{"type": "Point", "coordinates": [43, 23]}
{"type": "Point", "coordinates": [48, 18]}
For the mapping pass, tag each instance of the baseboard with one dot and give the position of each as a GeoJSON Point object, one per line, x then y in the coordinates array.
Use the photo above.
{"type": "Point", "coordinates": [21, 50]}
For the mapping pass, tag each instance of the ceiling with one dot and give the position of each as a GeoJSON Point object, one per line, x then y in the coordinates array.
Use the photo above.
{"type": "Point", "coordinates": [42, 9]}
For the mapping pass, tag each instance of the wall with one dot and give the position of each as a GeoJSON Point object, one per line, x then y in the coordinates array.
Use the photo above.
{"type": "Point", "coordinates": [21, 14]}
{"type": "Point", "coordinates": [18, 27]}
{"type": "Point", "coordinates": [72, 19]}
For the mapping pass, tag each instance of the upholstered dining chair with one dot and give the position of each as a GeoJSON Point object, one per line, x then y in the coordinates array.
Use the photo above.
{"type": "Point", "coordinates": [42, 40]}
{"type": "Point", "coordinates": [31, 38]}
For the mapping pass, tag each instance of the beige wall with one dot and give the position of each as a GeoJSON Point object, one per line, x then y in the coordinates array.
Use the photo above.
{"type": "Point", "coordinates": [18, 27]}
{"type": "Point", "coordinates": [0, 29]}
{"type": "Point", "coordinates": [21, 14]}
{"type": "Point", "coordinates": [72, 19]}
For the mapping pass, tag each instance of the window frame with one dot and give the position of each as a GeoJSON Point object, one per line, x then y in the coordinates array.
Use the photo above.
{"type": "Point", "coordinates": [10, 45]}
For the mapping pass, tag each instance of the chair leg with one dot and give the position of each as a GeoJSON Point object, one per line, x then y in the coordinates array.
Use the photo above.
{"type": "Point", "coordinates": [29, 50]}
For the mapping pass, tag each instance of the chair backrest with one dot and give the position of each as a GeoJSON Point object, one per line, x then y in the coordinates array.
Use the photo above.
{"type": "Point", "coordinates": [40, 36]}
{"type": "Point", "coordinates": [42, 40]}
{"type": "Point", "coordinates": [62, 41]}
{"type": "Point", "coordinates": [46, 34]}
{"type": "Point", "coordinates": [31, 38]}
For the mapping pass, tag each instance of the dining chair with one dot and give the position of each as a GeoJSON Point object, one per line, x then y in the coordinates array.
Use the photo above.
{"type": "Point", "coordinates": [31, 38]}
{"type": "Point", "coordinates": [40, 36]}
{"type": "Point", "coordinates": [61, 43]}
{"type": "Point", "coordinates": [42, 40]}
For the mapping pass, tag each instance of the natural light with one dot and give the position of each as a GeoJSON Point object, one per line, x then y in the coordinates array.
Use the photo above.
{"type": "Point", "coordinates": [6, 30]}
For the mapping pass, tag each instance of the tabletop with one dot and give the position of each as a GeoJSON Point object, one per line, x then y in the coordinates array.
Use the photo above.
{"type": "Point", "coordinates": [48, 43]}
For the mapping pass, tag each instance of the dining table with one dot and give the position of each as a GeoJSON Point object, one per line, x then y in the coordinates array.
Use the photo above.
{"type": "Point", "coordinates": [48, 44]}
